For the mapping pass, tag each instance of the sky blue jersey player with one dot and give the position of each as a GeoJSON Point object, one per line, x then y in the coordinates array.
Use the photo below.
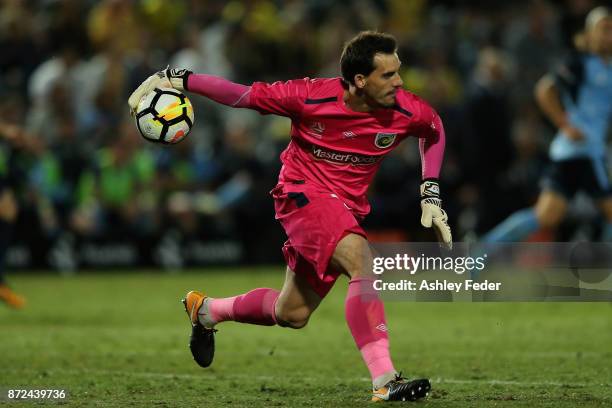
{"type": "Point", "coordinates": [577, 98]}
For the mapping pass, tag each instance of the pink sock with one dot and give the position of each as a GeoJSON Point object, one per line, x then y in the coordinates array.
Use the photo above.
{"type": "Point", "coordinates": [255, 307]}
{"type": "Point", "coordinates": [365, 315]}
{"type": "Point", "coordinates": [221, 309]}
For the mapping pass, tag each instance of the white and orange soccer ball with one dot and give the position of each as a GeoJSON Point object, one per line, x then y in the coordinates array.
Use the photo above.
{"type": "Point", "coordinates": [165, 115]}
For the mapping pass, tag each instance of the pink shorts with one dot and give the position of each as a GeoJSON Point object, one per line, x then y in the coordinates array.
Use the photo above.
{"type": "Point", "coordinates": [315, 221]}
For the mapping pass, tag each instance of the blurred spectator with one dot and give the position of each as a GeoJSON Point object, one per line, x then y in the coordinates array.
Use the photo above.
{"type": "Point", "coordinates": [486, 143]}
{"type": "Point", "coordinates": [572, 18]}
{"type": "Point", "coordinates": [114, 24]}
{"type": "Point", "coordinates": [120, 189]}
{"type": "Point", "coordinates": [16, 35]}
{"type": "Point", "coordinates": [529, 162]}
{"type": "Point", "coordinates": [535, 43]}
{"type": "Point", "coordinates": [57, 174]}
{"type": "Point", "coordinates": [60, 86]}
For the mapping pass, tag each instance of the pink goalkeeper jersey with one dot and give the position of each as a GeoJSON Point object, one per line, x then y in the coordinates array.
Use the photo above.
{"type": "Point", "coordinates": [339, 149]}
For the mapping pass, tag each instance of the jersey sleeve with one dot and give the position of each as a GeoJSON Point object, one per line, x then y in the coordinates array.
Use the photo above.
{"type": "Point", "coordinates": [432, 142]}
{"type": "Point", "coordinates": [280, 98]}
{"type": "Point", "coordinates": [219, 90]}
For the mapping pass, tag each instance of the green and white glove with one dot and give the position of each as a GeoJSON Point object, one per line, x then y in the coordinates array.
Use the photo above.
{"type": "Point", "coordinates": [166, 78]}
{"type": "Point", "coordinates": [433, 214]}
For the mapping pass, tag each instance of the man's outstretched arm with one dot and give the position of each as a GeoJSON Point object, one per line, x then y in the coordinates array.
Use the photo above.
{"type": "Point", "coordinates": [220, 90]}
{"type": "Point", "coordinates": [216, 88]}
{"type": "Point", "coordinates": [281, 98]}
{"type": "Point", "coordinates": [432, 153]}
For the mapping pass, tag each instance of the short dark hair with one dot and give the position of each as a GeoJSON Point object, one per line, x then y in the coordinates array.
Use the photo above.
{"type": "Point", "coordinates": [358, 54]}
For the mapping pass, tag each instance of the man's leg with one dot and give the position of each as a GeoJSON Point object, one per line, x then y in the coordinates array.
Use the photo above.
{"type": "Point", "coordinates": [547, 213]}
{"type": "Point", "coordinates": [291, 307]}
{"type": "Point", "coordinates": [365, 316]}
{"type": "Point", "coordinates": [605, 205]}
{"type": "Point", "coordinates": [364, 311]}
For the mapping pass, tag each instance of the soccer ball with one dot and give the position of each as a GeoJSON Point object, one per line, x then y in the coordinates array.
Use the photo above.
{"type": "Point", "coordinates": [165, 115]}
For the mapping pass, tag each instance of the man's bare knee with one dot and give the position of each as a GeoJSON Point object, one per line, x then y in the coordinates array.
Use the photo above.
{"type": "Point", "coordinates": [294, 319]}
{"type": "Point", "coordinates": [296, 302]}
{"type": "Point", "coordinates": [292, 324]}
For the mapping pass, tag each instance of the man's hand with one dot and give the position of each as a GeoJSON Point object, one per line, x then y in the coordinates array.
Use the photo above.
{"type": "Point", "coordinates": [433, 214]}
{"type": "Point", "coordinates": [167, 78]}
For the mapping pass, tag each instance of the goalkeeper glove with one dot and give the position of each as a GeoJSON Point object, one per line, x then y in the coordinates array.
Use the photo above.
{"type": "Point", "coordinates": [166, 78]}
{"type": "Point", "coordinates": [433, 214]}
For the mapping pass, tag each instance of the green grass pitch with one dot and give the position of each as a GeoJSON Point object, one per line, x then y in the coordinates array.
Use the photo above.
{"type": "Point", "coordinates": [120, 340]}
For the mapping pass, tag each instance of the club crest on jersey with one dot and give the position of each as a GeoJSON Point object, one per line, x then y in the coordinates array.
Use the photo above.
{"type": "Point", "coordinates": [384, 140]}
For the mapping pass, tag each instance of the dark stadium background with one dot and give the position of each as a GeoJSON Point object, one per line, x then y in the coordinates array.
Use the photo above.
{"type": "Point", "coordinates": [100, 196]}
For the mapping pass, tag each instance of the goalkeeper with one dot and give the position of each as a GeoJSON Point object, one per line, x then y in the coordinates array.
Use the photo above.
{"type": "Point", "coordinates": [341, 130]}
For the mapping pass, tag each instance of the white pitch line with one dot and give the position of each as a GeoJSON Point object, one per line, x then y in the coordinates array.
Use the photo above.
{"type": "Point", "coordinates": [511, 382]}
{"type": "Point", "coordinates": [279, 379]}
{"type": "Point", "coordinates": [288, 353]}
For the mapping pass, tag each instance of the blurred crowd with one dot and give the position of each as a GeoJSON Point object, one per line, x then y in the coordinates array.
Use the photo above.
{"type": "Point", "coordinates": [67, 67]}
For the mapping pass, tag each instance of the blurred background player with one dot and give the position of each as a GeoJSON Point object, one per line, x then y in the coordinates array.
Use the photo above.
{"type": "Point", "coordinates": [577, 99]}
{"type": "Point", "coordinates": [11, 137]}
{"type": "Point", "coordinates": [341, 130]}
